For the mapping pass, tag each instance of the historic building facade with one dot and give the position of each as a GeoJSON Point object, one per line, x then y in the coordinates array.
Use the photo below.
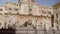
{"type": "Point", "coordinates": [57, 15]}
{"type": "Point", "coordinates": [26, 13]}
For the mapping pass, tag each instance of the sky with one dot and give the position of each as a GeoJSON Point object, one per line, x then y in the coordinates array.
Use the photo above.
{"type": "Point", "coordinates": [43, 2]}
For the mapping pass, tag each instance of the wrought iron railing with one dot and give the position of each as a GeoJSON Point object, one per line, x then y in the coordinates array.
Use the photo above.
{"type": "Point", "coordinates": [29, 31]}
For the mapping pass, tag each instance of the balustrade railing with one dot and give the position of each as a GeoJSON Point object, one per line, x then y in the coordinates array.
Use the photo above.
{"type": "Point", "coordinates": [28, 31]}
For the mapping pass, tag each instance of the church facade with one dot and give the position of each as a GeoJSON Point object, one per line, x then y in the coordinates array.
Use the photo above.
{"type": "Point", "coordinates": [26, 14]}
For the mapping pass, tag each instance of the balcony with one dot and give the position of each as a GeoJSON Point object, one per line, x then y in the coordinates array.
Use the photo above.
{"type": "Point", "coordinates": [44, 14]}
{"type": "Point", "coordinates": [6, 11]}
{"type": "Point", "coordinates": [49, 15]}
{"type": "Point", "coordinates": [13, 12]}
{"type": "Point", "coordinates": [36, 14]}
{"type": "Point", "coordinates": [22, 12]}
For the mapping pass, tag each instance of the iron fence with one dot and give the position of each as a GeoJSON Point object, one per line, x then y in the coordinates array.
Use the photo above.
{"type": "Point", "coordinates": [29, 31]}
{"type": "Point", "coordinates": [37, 32]}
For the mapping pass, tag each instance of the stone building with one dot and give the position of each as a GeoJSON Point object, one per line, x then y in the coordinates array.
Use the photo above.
{"type": "Point", "coordinates": [26, 13]}
{"type": "Point", "coordinates": [57, 15]}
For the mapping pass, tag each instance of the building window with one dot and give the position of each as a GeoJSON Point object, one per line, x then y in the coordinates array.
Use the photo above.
{"type": "Point", "coordinates": [10, 8]}
{"type": "Point", "coordinates": [30, 7]}
{"type": "Point", "coordinates": [1, 9]}
{"type": "Point", "coordinates": [17, 4]}
{"type": "Point", "coordinates": [44, 8]}
{"type": "Point", "coordinates": [52, 21]}
{"type": "Point", "coordinates": [57, 18]}
{"type": "Point", "coordinates": [41, 23]}
{"type": "Point", "coordinates": [0, 24]}
{"type": "Point", "coordinates": [9, 21]}
{"type": "Point", "coordinates": [44, 12]}
{"type": "Point", "coordinates": [49, 12]}
{"type": "Point", "coordinates": [33, 0]}
{"type": "Point", "coordinates": [16, 9]}
{"type": "Point", "coordinates": [50, 8]}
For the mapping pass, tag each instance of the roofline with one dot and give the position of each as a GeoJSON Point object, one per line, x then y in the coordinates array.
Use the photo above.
{"type": "Point", "coordinates": [56, 4]}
